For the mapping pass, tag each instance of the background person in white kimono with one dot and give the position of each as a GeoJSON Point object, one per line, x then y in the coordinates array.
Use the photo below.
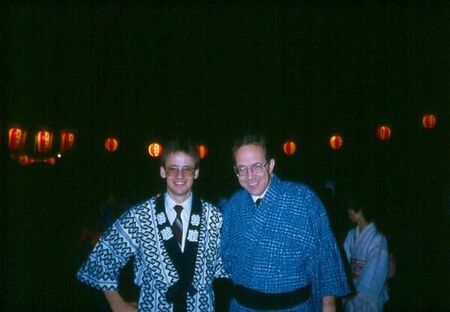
{"type": "Point", "coordinates": [171, 276]}
{"type": "Point", "coordinates": [367, 251]}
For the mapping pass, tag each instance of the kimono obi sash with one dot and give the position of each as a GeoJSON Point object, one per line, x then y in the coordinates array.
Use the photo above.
{"type": "Point", "coordinates": [254, 299]}
{"type": "Point", "coordinates": [357, 267]}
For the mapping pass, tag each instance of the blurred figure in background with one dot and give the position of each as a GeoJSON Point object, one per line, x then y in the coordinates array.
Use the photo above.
{"type": "Point", "coordinates": [366, 249]}
{"type": "Point", "coordinates": [108, 211]}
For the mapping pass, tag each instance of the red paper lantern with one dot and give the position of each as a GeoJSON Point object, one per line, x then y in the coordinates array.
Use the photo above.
{"type": "Point", "coordinates": [111, 144]}
{"type": "Point", "coordinates": [16, 139]}
{"type": "Point", "coordinates": [289, 147]}
{"type": "Point", "coordinates": [384, 132]}
{"type": "Point", "coordinates": [336, 142]}
{"type": "Point", "coordinates": [43, 141]}
{"type": "Point", "coordinates": [155, 150]}
{"type": "Point", "coordinates": [202, 151]}
{"type": "Point", "coordinates": [429, 121]}
{"type": "Point", "coordinates": [49, 160]}
{"type": "Point", "coordinates": [23, 160]}
{"type": "Point", "coordinates": [67, 140]}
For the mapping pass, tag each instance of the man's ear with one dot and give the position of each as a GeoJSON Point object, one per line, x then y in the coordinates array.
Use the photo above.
{"type": "Point", "coordinates": [162, 172]}
{"type": "Point", "coordinates": [271, 165]}
{"type": "Point", "coordinates": [196, 173]}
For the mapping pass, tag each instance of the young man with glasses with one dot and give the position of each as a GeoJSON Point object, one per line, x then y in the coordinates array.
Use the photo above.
{"type": "Point", "coordinates": [280, 253]}
{"type": "Point", "coordinates": [174, 239]}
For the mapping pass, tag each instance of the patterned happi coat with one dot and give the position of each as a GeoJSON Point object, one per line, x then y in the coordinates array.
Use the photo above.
{"type": "Point", "coordinates": [284, 244]}
{"type": "Point", "coordinates": [144, 232]}
{"type": "Point", "coordinates": [367, 252]}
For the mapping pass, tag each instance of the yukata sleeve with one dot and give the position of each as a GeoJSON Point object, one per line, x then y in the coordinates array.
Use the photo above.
{"type": "Point", "coordinates": [112, 252]}
{"type": "Point", "coordinates": [376, 270]}
{"type": "Point", "coordinates": [224, 242]}
{"type": "Point", "coordinates": [332, 280]}
{"type": "Point", "coordinates": [219, 271]}
{"type": "Point", "coordinates": [347, 246]}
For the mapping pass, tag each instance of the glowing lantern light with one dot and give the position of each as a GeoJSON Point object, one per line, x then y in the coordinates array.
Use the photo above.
{"type": "Point", "coordinates": [43, 141]}
{"type": "Point", "coordinates": [384, 132]}
{"type": "Point", "coordinates": [111, 144]}
{"type": "Point", "coordinates": [155, 150]}
{"type": "Point", "coordinates": [16, 139]}
{"type": "Point", "coordinates": [429, 121]}
{"type": "Point", "coordinates": [67, 141]}
{"type": "Point", "coordinates": [336, 142]}
{"type": "Point", "coordinates": [289, 147]}
{"type": "Point", "coordinates": [50, 160]}
{"type": "Point", "coordinates": [202, 151]}
{"type": "Point", "coordinates": [23, 160]}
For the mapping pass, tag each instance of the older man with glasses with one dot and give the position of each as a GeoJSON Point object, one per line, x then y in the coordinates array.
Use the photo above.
{"type": "Point", "coordinates": [174, 239]}
{"type": "Point", "coordinates": [277, 244]}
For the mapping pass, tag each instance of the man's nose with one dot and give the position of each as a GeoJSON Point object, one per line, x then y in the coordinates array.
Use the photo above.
{"type": "Point", "coordinates": [249, 173]}
{"type": "Point", "coordinates": [179, 173]}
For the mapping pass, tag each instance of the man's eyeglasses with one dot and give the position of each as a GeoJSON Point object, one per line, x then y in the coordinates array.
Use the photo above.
{"type": "Point", "coordinates": [185, 171]}
{"type": "Point", "coordinates": [242, 171]}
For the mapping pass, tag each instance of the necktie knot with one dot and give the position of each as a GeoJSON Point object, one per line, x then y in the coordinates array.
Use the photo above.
{"type": "Point", "coordinates": [177, 225]}
{"type": "Point", "coordinates": [258, 202]}
{"type": "Point", "coordinates": [178, 209]}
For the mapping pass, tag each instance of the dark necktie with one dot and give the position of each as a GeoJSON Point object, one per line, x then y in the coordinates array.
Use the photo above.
{"type": "Point", "coordinates": [177, 225]}
{"type": "Point", "coordinates": [258, 202]}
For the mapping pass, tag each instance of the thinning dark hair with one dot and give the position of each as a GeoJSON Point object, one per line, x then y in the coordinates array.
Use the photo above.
{"type": "Point", "coordinates": [252, 139]}
{"type": "Point", "coordinates": [180, 145]}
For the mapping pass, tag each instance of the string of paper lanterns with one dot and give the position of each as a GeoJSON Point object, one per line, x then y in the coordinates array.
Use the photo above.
{"type": "Point", "coordinates": [383, 133]}
{"type": "Point", "coordinates": [43, 145]}
{"type": "Point", "coordinates": [44, 142]}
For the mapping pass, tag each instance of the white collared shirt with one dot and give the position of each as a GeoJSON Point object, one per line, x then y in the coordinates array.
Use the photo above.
{"type": "Point", "coordinates": [185, 213]}
{"type": "Point", "coordinates": [255, 198]}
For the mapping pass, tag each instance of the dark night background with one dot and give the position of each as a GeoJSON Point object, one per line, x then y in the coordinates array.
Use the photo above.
{"type": "Point", "coordinates": [212, 72]}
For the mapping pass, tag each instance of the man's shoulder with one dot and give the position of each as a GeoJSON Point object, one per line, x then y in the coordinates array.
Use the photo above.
{"type": "Point", "coordinates": [235, 202]}
{"type": "Point", "coordinates": [236, 197]}
{"type": "Point", "coordinates": [208, 205]}
{"type": "Point", "coordinates": [278, 182]}
{"type": "Point", "coordinates": [297, 189]}
{"type": "Point", "coordinates": [210, 211]}
{"type": "Point", "coordinates": [144, 204]}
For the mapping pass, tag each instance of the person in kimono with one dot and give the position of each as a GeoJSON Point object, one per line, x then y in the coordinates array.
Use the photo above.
{"type": "Point", "coordinates": [174, 239]}
{"type": "Point", "coordinates": [277, 244]}
{"type": "Point", "coordinates": [366, 249]}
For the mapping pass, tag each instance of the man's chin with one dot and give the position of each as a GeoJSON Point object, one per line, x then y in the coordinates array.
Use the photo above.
{"type": "Point", "coordinates": [254, 192]}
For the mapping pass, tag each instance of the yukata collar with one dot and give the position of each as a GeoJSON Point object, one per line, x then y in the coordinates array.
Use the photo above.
{"type": "Point", "coordinates": [170, 203]}
{"type": "Point", "coordinates": [269, 189]}
{"type": "Point", "coordinates": [184, 262]}
{"type": "Point", "coordinates": [165, 230]}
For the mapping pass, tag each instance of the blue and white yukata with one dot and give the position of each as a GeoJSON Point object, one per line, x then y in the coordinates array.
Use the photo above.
{"type": "Point", "coordinates": [161, 270]}
{"type": "Point", "coordinates": [284, 244]}
{"type": "Point", "coordinates": [367, 252]}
